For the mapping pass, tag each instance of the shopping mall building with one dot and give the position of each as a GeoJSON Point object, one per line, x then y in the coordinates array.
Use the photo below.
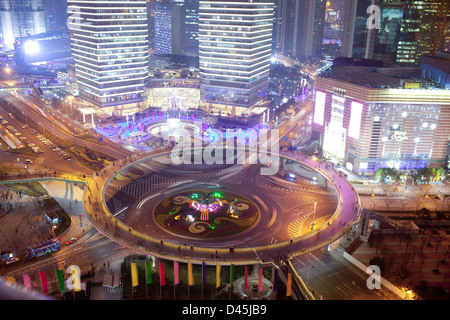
{"type": "Point", "coordinates": [368, 118]}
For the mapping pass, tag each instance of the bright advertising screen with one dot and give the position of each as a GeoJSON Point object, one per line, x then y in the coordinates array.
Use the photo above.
{"type": "Point", "coordinates": [319, 108]}
{"type": "Point", "coordinates": [355, 120]}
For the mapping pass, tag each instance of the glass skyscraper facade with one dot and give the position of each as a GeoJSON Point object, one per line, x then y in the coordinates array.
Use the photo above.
{"type": "Point", "coordinates": [109, 42]}
{"type": "Point", "coordinates": [21, 18]}
{"type": "Point", "coordinates": [235, 42]}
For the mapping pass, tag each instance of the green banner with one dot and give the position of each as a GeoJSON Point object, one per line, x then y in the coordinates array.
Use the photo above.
{"type": "Point", "coordinates": [148, 270]}
{"type": "Point", "coordinates": [60, 275]}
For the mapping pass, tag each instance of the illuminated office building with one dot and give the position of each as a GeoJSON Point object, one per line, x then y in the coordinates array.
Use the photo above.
{"type": "Point", "coordinates": [368, 118]}
{"type": "Point", "coordinates": [191, 21]}
{"type": "Point", "coordinates": [235, 42]}
{"type": "Point", "coordinates": [21, 18]}
{"type": "Point", "coordinates": [408, 30]}
{"type": "Point", "coordinates": [300, 25]}
{"type": "Point", "coordinates": [424, 28]}
{"type": "Point", "coordinates": [109, 42]}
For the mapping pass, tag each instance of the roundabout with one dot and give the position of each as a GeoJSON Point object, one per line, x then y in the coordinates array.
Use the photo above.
{"type": "Point", "coordinates": [220, 213]}
{"type": "Point", "coordinates": [206, 214]}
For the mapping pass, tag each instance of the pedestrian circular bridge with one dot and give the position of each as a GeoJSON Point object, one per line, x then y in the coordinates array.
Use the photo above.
{"type": "Point", "coordinates": [221, 213]}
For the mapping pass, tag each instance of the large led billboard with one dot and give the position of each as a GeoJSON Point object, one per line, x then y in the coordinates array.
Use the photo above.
{"type": "Point", "coordinates": [319, 108]}
{"type": "Point", "coordinates": [355, 120]}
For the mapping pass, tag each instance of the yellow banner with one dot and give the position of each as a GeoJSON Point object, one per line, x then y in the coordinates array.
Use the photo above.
{"type": "Point", "coordinates": [289, 285]}
{"type": "Point", "coordinates": [217, 275]}
{"type": "Point", "coordinates": [190, 275]}
{"type": "Point", "coordinates": [134, 275]}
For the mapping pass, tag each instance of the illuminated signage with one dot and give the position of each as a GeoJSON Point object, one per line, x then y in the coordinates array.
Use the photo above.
{"type": "Point", "coordinates": [399, 136]}
{"type": "Point", "coordinates": [355, 120]}
{"type": "Point", "coordinates": [319, 108]}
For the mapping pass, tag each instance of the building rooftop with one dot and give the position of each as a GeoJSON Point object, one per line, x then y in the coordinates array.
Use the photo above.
{"type": "Point", "coordinates": [376, 77]}
{"type": "Point", "coordinates": [441, 61]}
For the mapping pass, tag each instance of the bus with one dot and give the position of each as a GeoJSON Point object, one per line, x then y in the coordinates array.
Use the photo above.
{"type": "Point", "coordinates": [42, 248]}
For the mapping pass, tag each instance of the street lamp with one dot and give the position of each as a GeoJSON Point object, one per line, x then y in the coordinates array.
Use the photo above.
{"type": "Point", "coordinates": [314, 215]}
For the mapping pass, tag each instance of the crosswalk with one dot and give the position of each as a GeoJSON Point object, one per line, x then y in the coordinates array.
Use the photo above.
{"type": "Point", "coordinates": [295, 227]}
{"type": "Point", "coordinates": [270, 184]}
{"type": "Point", "coordinates": [140, 187]}
{"type": "Point", "coordinates": [288, 203]}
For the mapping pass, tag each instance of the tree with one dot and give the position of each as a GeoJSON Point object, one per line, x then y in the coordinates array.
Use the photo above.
{"type": "Point", "coordinates": [386, 175]}
{"type": "Point", "coordinates": [438, 238]}
{"type": "Point", "coordinates": [424, 214]}
{"type": "Point", "coordinates": [422, 257]}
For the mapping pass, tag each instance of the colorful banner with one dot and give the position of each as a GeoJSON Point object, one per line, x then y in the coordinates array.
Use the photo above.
{"type": "Point", "coordinates": [27, 281]}
{"type": "Point", "coordinates": [134, 275]}
{"type": "Point", "coordinates": [260, 282]}
{"type": "Point", "coordinates": [148, 272]}
{"type": "Point", "coordinates": [218, 267]}
{"type": "Point", "coordinates": [289, 285]}
{"type": "Point", "coordinates": [60, 275]}
{"type": "Point", "coordinates": [176, 276]}
{"type": "Point", "coordinates": [190, 275]}
{"type": "Point", "coordinates": [162, 278]}
{"type": "Point", "coordinates": [44, 283]}
{"type": "Point", "coordinates": [10, 280]}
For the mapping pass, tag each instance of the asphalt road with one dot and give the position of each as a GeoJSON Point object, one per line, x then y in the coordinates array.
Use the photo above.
{"type": "Point", "coordinates": [331, 277]}
{"type": "Point", "coordinates": [281, 203]}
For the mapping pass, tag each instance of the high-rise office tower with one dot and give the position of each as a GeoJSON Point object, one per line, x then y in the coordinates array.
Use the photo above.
{"type": "Point", "coordinates": [235, 41]}
{"type": "Point", "coordinates": [21, 18]}
{"type": "Point", "coordinates": [407, 30]}
{"type": "Point", "coordinates": [109, 42]}
{"type": "Point", "coordinates": [171, 36]}
{"type": "Point", "coordinates": [425, 26]}
{"type": "Point", "coordinates": [57, 14]}
{"type": "Point", "coordinates": [163, 27]}
{"type": "Point", "coordinates": [300, 23]}
{"type": "Point", "coordinates": [191, 22]}
{"type": "Point", "coordinates": [178, 28]}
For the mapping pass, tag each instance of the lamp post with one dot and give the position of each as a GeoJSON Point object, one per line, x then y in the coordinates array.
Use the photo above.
{"type": "Point", "coordinates": [314, 215]}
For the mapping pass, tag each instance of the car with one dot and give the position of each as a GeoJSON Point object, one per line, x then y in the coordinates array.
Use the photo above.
{"type": "Point", "coordinates": [72, 240]}
{"type": "Point", "coordinates": [28, 161]}
{"type": "Point", "coordinates": [12, 260]}
{"type": "Point", "coordinates": [56, 149]}
{"type": "Point", "coordinates": [290, 176]}
{"type": "Point", "coordinates": [70, 160]}
{"type": "Point", "coordinates": [31, 144]}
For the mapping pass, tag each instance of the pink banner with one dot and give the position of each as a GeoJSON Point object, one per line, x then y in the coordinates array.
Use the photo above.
{"type": "Point", "coordinates": [246, 278]}
{"type": "Point", "coordinates": [162, 279]}
{"type": "Point", "coordinates": [27, 281]}
{"type": "Point", "coordinates": [260, 285]}
{"type": "Point", "coordinates": [44, 282]}
{"type": "Point", "coordinates": [176, 277]}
